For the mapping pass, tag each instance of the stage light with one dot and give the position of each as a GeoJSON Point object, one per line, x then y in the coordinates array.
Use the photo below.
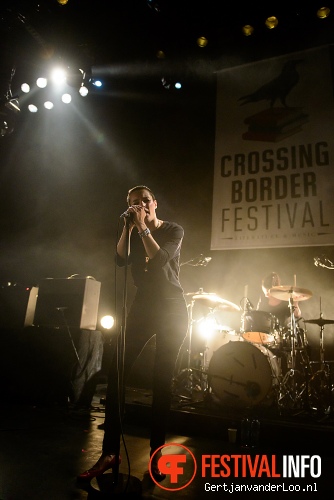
{"type": "Point", "coordinates": [107, 322]}
{"type": "Point", "coordinates": [58, 76]}
{"type": "Point", "coordinates": [96, 83]}
{"type": "Point", "coordinates": [25, 87]}
{"type": "Point", "coordinates": [271, 22]}
{"type": "Point", "coordinates": [323, 12]}
{"type": "Point", "coordinates": [41, 82]}
{"type": "Point", "coordinates": [165, 83]}
{"type": "Point", "coordinates": [202, 41]}
{"type": "Point", "coordinates": [48, 105]}
{"type": "Point", "coordinates": [66, 98]}
{"type": "Point", "coordinates": [32, 108]}
{"type": "Point", "coordinates": [62, 2]}
{"type": "Point", "coordinates": [83, 91]}
{"type": "Point", "coordinates": [247, 30]}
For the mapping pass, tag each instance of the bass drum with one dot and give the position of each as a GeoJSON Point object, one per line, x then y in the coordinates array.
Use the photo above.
{"type": "Point", "coordinates": [244, 375]}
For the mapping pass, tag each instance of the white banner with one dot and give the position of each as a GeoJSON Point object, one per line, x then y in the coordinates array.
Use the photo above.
{"type": "Point", "coordinates": [274, 171]}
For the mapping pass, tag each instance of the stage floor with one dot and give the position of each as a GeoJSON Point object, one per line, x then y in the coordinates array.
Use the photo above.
{"type": "Point", "coordinates": [45, 446]}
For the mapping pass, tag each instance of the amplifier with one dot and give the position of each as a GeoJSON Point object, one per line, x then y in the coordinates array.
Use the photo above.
{"type": "Point", "coordinates": [69, 302]}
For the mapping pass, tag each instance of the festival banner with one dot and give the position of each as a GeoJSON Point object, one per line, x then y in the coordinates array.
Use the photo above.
{"type": "Point", "coordinates": [274, 161]}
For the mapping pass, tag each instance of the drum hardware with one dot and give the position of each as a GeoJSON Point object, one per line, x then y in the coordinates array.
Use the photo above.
{"type": "Point", "coordinates": [293, 392]}
{"type": "Point", "coordinates": [194, 379]}
{"type": "Point", "coordinates": [290, 293]}
{"type": "Point", "coordinates": [321, 387]}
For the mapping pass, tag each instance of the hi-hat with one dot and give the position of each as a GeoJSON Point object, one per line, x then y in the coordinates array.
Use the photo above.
{"type": "Point", "coordinates": [290, 292]}
{"type": "Point", "coordinates": [213, 300]}
{"type": "Point", "coordinates": [320, 321]}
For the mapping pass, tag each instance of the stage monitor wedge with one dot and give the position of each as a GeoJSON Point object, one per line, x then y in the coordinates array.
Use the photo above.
{"type": "Point", "coordinates": [71, 302]}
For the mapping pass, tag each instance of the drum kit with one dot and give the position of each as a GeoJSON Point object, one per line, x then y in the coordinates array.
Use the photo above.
{"type": "Point", "coordinates": [261, 363]}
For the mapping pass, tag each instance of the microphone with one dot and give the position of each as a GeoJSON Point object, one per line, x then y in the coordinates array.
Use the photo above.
{"type": "Point", "coordinates": [323, 262]}
{"type": "Point", "coordinates": [204, 261]}
{"type": "Point", "coordinates": [126, 215]}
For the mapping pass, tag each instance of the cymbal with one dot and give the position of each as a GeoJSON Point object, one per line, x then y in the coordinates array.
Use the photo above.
{"type": "Point", "coordinates": [320, 321]}
{"type": "Point", "coordinates": [290, 292]}
{"type": "Point", "coordinates": [213, 300]}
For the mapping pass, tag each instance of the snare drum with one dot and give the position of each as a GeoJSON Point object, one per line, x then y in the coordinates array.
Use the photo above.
{"type": "Point", "coordinates": [243, 374]}
{"type": "Point", "coordinates": [260, 327]}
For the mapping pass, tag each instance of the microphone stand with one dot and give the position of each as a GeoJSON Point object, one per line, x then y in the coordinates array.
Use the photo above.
{"type": "Point", "coordinates": [132, 484]}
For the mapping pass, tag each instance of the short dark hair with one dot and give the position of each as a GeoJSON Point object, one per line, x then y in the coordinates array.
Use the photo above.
{"type": "Point", "coordinates": [271, 280]}
{"type": "Point", "coordinates": [136, 188]}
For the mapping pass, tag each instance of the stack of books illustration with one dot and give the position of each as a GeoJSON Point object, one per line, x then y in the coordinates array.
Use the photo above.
{"type": "Point", "coordinates": [274, 124]}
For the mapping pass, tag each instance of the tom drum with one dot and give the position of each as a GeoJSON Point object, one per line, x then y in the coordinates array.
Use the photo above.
{"type": "Point", "coordinates": [260, 327]}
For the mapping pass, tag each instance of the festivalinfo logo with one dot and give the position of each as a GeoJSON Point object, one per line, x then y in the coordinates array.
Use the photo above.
{"type": "Point", "coordinates": [179, 465]}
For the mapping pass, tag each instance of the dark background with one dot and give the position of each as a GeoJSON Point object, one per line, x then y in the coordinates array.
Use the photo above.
{"type": "Point", "coordinates": [64, 175]}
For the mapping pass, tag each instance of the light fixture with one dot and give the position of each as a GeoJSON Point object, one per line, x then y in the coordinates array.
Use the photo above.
{"type": "Point", "coordinates": [32, 108]}
{"type": "Point", "coordinates": [83, 91]}
{"type": "Point", "coordinates": [160, 54]}
{"type": "Point", "coordinates": [25, 87]}
{"type": "Point", "coordinates": [271, 22]}
{"type": "Point", "coordinates": [165, 83]}
{"type": "Point", "coordinates": [323, 12]}
{"type": "Point", "coordinates": [107, 322]}
{"type": "Point", "coordinates": [58, 76]}
{"type": "Point", "coordinates": [247, 30]}
{"type": "Point", "coordinates": [41, 82]}
{"type": "Point", "coordinates": [202, 41]}
{"type": "Point", "coordinates": [48, 105]}
{"type": "Point", "coordinates": [66, 98]}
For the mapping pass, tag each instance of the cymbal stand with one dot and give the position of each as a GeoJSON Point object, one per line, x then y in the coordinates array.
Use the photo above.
{"type": "Point", "coordinates": [192, 378]}
{"type": "Point", "coordinates": [292, 387]}
{"type": "Point", "coordinates": [186, 375]}
{"type": "Point", "coordinates": [321, 389]}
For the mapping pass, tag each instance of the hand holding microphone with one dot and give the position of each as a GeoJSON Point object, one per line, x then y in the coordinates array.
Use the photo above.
{"type": "Point", "coordinates": [133, 214]}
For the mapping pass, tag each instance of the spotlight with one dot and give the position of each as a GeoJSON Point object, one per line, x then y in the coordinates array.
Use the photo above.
{"type": "Point", "coordinates": [107, 322]}
{"type": "Point", "coordinates": [271, 22]}
{"type": "Point", "coordinates": [83, 91]}
{"type": "Point", "coordinates": [247, 30]}
{"type": "Point", "coordinates": [32, 108]}
{"type": "Point", "coordinates": [202, 41]}
{"type": "Point", "coordinates": [323, 12]}
{"type": "Point", "coordinates": [165, 83]}
{"type": "Point", "coordinates": [25, 87]}
{"type": "Point", "coordinates": [154, 5]}
{"type": "Point", "coordinates": [96, 83]}
{"type": "Point", "coordinates": [66, 98]}
{"type": "Point", "coordinates": [58, 76]}
{"type": "Point", "coordinates": [41, 82]}
{"type": "Point", "coordinates": [48, 105]}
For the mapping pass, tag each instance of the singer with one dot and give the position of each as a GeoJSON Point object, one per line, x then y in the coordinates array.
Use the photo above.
{"type": "Point", "coordinates": [159, 309]}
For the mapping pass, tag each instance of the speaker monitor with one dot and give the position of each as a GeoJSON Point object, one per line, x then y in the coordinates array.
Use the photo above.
{"type": "Point", "coordinates": [68, 302]}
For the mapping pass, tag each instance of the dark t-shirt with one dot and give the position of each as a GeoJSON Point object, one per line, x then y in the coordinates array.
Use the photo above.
{"type": "Point", "coordinates": [281, 311]}
{"type": "Point", "coordinates": [160, 275]}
